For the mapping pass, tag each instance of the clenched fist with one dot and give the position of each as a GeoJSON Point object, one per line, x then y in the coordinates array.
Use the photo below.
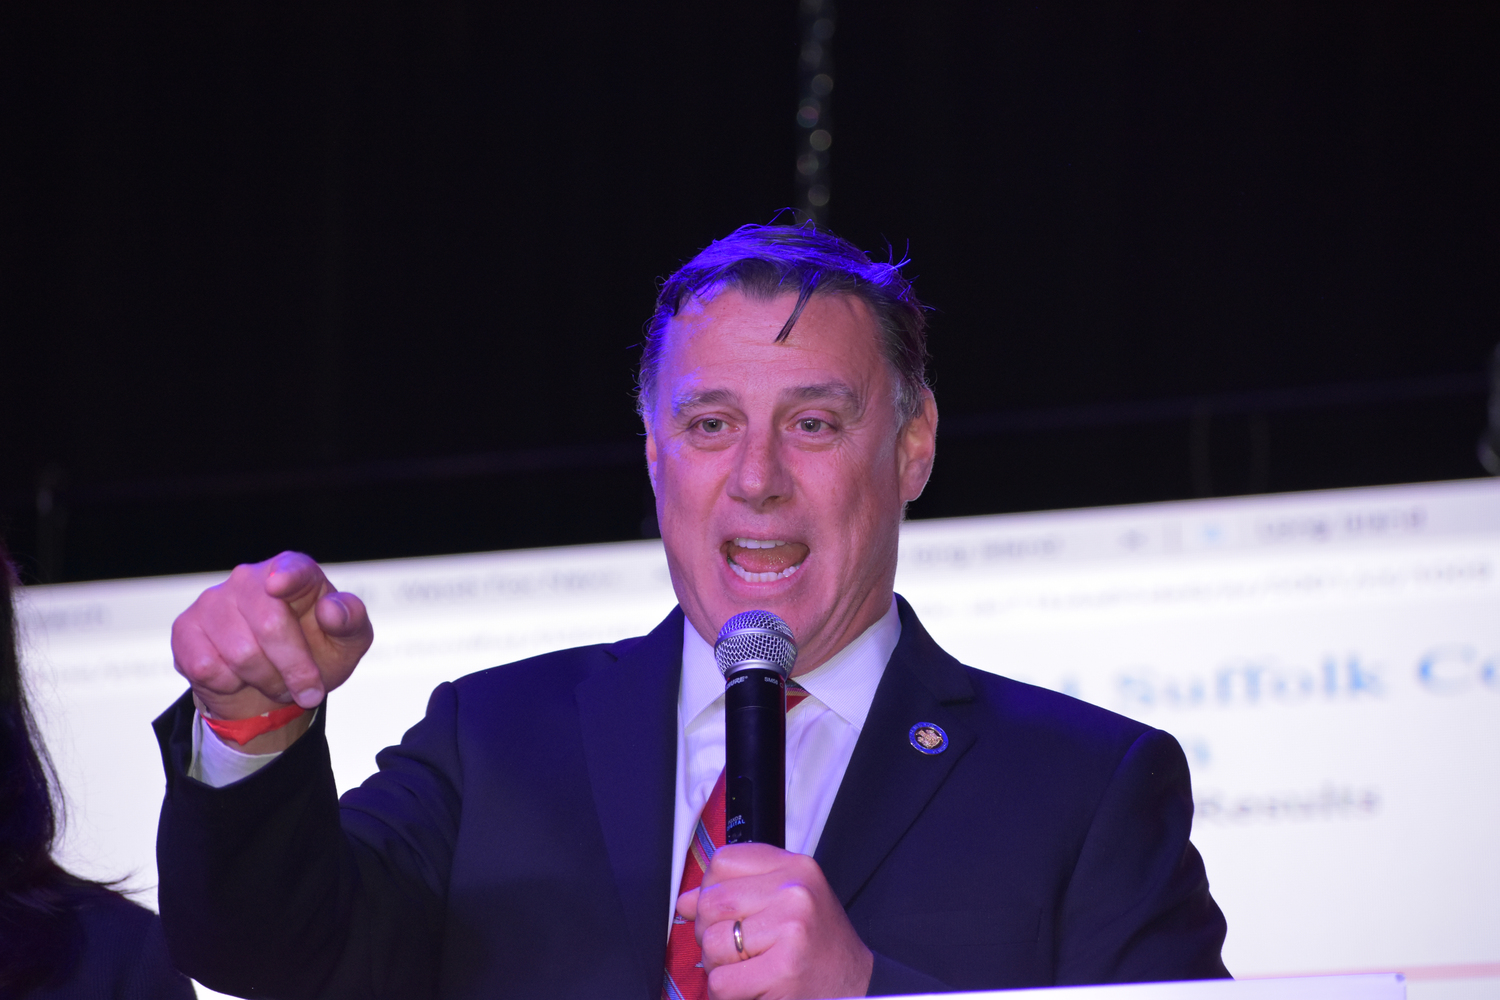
{"type": "Point", "coordinates": [798, 942]}
{"type": "Point", "coordinates": [273, 633]}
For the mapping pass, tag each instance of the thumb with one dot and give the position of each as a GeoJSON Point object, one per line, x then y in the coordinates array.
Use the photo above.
{"type": "Point", "coordinates": [343, 618]}
{"type": "Point", "coordinates": [296, 579]}
{"type": "Point", "coordinates": [687, 904]}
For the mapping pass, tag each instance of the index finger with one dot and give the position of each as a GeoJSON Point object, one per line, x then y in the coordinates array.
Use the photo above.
{"type": "Point", "coordinates": [742, 879]}
{"type": "Point", "coordinates": [745, 860]}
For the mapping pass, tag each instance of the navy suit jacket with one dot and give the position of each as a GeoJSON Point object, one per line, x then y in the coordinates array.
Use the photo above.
{"type": "Point", "coordinates": [517, 843]}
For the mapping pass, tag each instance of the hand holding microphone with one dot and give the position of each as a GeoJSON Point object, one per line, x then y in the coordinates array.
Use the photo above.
{"type": "Point", "coordinates": [767, 920]}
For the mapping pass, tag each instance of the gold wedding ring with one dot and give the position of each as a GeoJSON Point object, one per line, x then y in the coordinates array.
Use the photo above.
{"type": "Point", "coordinates": [739, 940]}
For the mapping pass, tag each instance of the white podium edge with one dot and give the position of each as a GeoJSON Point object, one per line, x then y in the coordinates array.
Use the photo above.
{"type": "Point", "coordinates": [1381, 986]}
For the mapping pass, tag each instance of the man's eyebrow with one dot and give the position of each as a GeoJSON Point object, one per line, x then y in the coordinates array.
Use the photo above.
{"type": "Point", "coordinates": [707, 397]}
{"type": "Point", "coordinates": [834, 389]}
{"type": "Point", "coordinates": [825, 390]}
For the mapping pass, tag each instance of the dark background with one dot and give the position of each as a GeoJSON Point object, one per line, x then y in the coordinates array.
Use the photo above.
{"type": "Point", "coordinates": [367, 279]}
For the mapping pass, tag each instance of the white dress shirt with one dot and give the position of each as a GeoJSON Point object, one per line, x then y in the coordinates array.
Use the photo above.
{"type": "Point", "coordinates": [820, 737]}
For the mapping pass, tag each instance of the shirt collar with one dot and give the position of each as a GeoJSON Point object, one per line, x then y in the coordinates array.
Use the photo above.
{"type": "Point", "coordinates": [846, 683]}
{"type": "Point", "coordinates": [702, 684]}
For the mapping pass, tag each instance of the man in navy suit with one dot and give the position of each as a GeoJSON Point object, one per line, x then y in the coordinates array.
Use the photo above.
{"type": "Point", "coordinates": [947, 828]}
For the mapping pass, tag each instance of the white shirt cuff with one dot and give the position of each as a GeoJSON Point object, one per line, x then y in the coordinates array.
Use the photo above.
{"type": "Point", "coordinates": [216, 763]}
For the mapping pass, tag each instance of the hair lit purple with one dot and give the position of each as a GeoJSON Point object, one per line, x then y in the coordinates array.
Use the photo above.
{"type": "Point", "coordinates": [763, 262]}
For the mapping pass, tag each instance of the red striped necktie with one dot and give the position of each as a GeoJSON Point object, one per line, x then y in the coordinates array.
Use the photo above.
{"type": "Point", "coordinates": [685, 978]}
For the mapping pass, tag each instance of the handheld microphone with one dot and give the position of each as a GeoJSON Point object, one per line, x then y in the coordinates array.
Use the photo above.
{"type": "Point", "coordinates": [756, 652]}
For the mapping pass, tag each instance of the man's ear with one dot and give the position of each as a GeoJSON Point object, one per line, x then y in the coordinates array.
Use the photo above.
{"type": "Point", "coordinates": [916, 448]}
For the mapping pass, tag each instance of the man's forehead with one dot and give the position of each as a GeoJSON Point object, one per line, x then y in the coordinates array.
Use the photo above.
{"type": "Point", "coordinates": [836, 323]}
{"type": "Point", "coordinates": [728, 344]}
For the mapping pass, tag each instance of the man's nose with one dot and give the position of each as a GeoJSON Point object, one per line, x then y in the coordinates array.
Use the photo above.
{"type": "Point", "coordinates": [761, 478]}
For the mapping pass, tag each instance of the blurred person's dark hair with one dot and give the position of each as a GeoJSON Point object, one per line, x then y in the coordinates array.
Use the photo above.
{"type": "Point", "coordinates": [39, 931]}
{"type": "Point", "coordinates": [50, 919]}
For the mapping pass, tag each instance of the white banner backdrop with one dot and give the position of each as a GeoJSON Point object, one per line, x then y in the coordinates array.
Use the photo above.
{"type": "Point", "coordinates": [1329, 661]}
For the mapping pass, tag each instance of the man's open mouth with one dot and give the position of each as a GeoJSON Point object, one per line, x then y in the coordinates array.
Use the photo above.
{"type": "Point", "coordinates": [761, 560]}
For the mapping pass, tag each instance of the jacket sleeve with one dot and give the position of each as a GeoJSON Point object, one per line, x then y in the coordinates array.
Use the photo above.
{"type": "Point", "coordinates": [269, 889]}
{"type": "Point", "coordinates": [1137, 907]}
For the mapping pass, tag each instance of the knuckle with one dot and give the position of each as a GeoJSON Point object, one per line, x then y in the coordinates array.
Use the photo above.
{"type": "Point", "coordinates": [195, 668]}
{"type": "Point", "coordinates": [799, 893]}
{"type": "Point", "coordinates": [708, 897]}
{"type": "Point", "coordinates": [211, 679]}
{"type": "Point", "coordinates": [218, 683]}
{"type": "Point", "coordinates": [239, 650]}
{"type": "Point", "coordinates": [803, 866]}
{"type": "Point", "coordinates": [800, 901]}
{"type": "Point", "coordinates": [719, 905]}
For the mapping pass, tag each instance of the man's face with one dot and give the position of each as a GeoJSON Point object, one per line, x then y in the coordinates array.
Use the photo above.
{"type": "Point", "coordinates": [781, 469]}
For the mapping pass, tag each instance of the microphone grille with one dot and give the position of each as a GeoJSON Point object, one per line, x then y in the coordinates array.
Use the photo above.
{"type": "Point", "coordinates": [756, 637]}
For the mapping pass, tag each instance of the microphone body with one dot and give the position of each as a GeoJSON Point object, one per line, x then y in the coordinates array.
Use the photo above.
{"type": "Point", "coordinates": [755, 757]}
{"type": "Point", "coordinates": [756, 652]}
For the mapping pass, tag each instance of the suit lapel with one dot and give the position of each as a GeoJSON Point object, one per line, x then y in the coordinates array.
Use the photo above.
{"type": "Point", "coordinates": [888, 782]}
{"type": "Point", "coordinates": [628, 713]}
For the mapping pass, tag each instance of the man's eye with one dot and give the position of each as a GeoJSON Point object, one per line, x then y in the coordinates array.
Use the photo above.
{"type": "Point", "coordinates": [712, 425]}
{"type": "Point", "coordinates": [811, 424]}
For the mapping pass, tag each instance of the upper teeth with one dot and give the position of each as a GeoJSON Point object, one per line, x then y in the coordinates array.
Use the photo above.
{"type": "Point", "coordinates": [758, 543]}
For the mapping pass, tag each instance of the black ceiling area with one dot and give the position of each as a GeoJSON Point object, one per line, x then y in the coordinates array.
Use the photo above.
{"type": "Point", "coordinates": [368, 280]}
